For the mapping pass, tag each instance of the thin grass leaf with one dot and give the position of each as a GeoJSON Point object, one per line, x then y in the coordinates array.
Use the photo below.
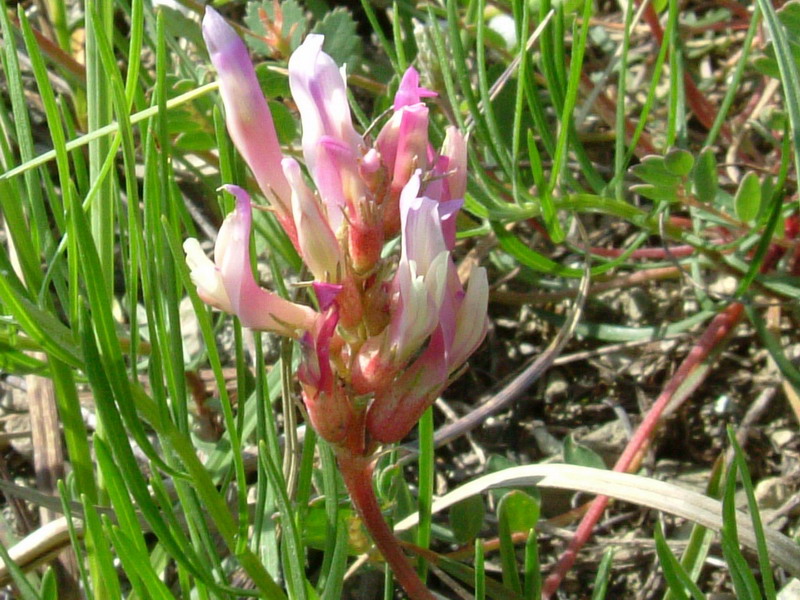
{"type": "Point", "coordinates": [487, 113]}
{"type": "Point", "coordinates": [764, 562]}
{"type": "Point", "coordinates": [480, 573]}
{"type": "Point", "coordinates": [77, 546]}
{"type": "Point", "coordinates": [334, 562]}
{"type": "Point", "coordinates": [25, 588]}
{"type": "Point", "coordinates": [744, 583]}
{"type": "Point", "coordinates": [109, 129]}
{"type": "Point", "coordinates": [600, 587]}
{"type": "Point", "coordinates": [30, 239]}
{"type": "Point", "coordinates": [790, 79]}
{"type": "Point", "coordinates": [773, 345]}
{"type": "Point", "coordinates": [294, 570]}
{"type": "Point", "coordinates": [677, 578]}
{"type": "Point", "coordinates": [532, 589]}
{"type": "Point", "coordinates": [571, 96]}
{"type": "Point", "coordinates": [136, 562]}
{"type": "Point", "coordinates": [426, 475]}
{"type": "Point", "coordinates": [104, 577]}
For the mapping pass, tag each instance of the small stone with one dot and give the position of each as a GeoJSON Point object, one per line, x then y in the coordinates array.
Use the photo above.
{"type": "Point", "coordinates": [791, 591]}
{"type": "Point", "coordinates": [557, 385]}
{"type": "Point", "coordinates": [782, 437]}
{"type": "Point", "coordinates": [724, 286]}
{"type": "Point", "coordinates": [771, 492]}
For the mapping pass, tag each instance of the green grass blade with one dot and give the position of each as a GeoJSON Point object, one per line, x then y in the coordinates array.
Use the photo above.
{"type": "Point", "coordinates": [425, 476]}
{"type": "Point", "coordinates": [790, 79]}
{"type": "Point", "coordinates": [677, 578]}
{"type": "Point", "coordinates": [294, 570]}
{"type": "Point", "coordinates": [532, 568]}
{"type": "Point", "coordinates": [744, 582]}
{"type": "Point", "coordinates": [764, 562]}
{"type": "Point", "coordinates": [600, 587]}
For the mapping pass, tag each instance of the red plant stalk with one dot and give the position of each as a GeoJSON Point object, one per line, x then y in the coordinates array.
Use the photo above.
{"type": "Point", "coordinates": [719, 328]}
{"type": "Point", "coordinates": [717, 331]}
{"type": "Point", "coordinates": [357, 474]}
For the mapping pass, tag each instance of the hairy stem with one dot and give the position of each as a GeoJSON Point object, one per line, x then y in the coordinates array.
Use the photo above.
{"type": "Point", "coordinates": [357, 474]}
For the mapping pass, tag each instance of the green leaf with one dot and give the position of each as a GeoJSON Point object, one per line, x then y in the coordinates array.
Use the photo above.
{"type": "Point", "coordinates": [764, 563]}
{"type": "Point", "coordinates": [54, 337]}
{"type": "Point", "coordinates": [786, 48]}
{"type": "Point", "coordinates": [273, 84]}
{"type": "Point", "coordinates": [677, 578]}
{"type": "Point", "coordinates": [679, 162]}
{"type": "Point", "coordinates": [655, 192]}
{"type": "Point", "coordinates": [705, 177]}
{"type": "Point", "coordinates": [653, 170]}
{"type": "Point", "coordinates": [578, 454]}
{"type": "Point", "coordinates": [316, 527]}
{"type": "Point", "coordinates": [516, 512]}
{"type": "Point", "coordinates": [180, 26]}
{"type": "Point", "coordinates": [342, 41]}
{"type": "Point", "coordinates": [466, 518]}
{"type": "Point", "coordinates": [603, 575]}
{"type": "Point", "coordinates": [15, 361]}
{"type": "Point", "coordinates": [49, 588]}
{"type": "Point", "coordinates": [744, 583]}
{"type": "Point", "coordinates": [293, 26]}
{"type": "Point", "coordinates": [748, 198]}
{"type": "Point", "coordinates": [285, 125]}
{"type": "Point", "coordinates": [195, 142]}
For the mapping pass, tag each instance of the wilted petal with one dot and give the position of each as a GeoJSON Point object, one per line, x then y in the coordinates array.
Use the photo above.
{"type": "Point", "coordinates": [320, 92]}
{"type": "Point", "coordinates": [246, 112]}
{"type": "Point", "coordinates": [315, 369]}
{"type": "Point", "coordinates": [329, 408]}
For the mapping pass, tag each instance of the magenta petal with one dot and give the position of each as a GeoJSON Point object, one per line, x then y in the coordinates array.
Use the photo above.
{"type": "Point", "coordinates": [409, 92]}
{"type": "Point", "coordinates": [326, 293]}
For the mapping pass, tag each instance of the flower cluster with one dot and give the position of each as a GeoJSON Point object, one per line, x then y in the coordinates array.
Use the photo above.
{"type": "Point", "coordinates": [389, 333]}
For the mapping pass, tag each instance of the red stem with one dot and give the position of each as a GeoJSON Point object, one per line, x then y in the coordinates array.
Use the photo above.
{"type": "Point", "coordinates": [357, 474]}
{"type": "Point", "coordinates": [717, 331]}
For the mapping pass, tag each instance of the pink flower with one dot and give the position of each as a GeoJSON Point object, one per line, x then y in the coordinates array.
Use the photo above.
{"type": "Point", "coordinates": [319, 90]}
{"type": "Point", "coordinates": [391, 331]}
{"type": "Point", "coordinates": [403, 143]}
{"type": "Point", "coordinates": [316, 241]}
{"type": "Point", "coordinates": [247, 114]}
{"type": "Point", "coordinates": [228, 283]}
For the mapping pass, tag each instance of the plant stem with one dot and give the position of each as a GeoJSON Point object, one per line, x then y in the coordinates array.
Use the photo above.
{"type": "Point", "coordinates": [357, 474]}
